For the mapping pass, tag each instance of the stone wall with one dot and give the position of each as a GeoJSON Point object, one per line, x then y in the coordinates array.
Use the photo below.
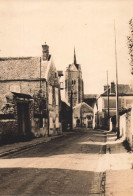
{"type": "Point", "coordinates": [123, 125]}
{"type": "Point", "coordinates": [126, 127]}
{"type": "Point", "coordinates": [27, 87]}
{"type": "Point", "coordinates": [35, 127]}
{"type": "Point", "coordinates": [8, 130]}
{"type": "Point", "coordinates": [77, 87]}
{"type": "Point", "coordinates": [129, 128]}
{"type": "Point", "coordinates": [37, 107]}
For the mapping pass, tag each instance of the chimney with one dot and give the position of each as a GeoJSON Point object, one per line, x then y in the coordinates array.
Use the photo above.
{"type": "Point", "coordinates": [105, 87]}
{"type": "Point", "coordinates": [45, 52]}
{"type": "Point", "coordinates": [112, 87]}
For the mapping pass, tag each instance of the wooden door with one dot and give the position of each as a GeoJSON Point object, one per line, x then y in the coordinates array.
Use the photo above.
{"type": "Point", "coordinates": [23, 118]}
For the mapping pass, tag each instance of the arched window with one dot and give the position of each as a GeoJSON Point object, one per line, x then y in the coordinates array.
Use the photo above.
{"type": "Point", "coordinates": [73, 81]}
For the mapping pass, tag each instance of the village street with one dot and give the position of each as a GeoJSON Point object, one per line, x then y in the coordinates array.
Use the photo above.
{"type": "Point", "coordinates": [78, 163]}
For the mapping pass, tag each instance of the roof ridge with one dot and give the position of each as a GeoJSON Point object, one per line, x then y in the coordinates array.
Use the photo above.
{"type": "Point", "coordinates": [18, 58]}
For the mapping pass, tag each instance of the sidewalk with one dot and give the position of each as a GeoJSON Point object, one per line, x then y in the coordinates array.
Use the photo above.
{"type": "Point", "coordinates": [19, 146]}
{"type": "Point", "coordinates": [119, 175]}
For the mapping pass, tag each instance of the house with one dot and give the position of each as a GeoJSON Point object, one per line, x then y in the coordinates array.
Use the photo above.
{"type": "Point", "coordinates": [82, 115]}
{"type": "Point", "coordinates": [90, 99]}
{"type": "Point", "coordinates": [105, 106]}
{"type": "Point", "coordinates": [29, 96]}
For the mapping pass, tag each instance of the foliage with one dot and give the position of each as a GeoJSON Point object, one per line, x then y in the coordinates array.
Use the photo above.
{"type": "Point", "coordinates": [130, 44]}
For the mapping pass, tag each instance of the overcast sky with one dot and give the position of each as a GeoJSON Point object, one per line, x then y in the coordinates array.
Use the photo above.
{"type": "Point", "coordinates": [88, 25]}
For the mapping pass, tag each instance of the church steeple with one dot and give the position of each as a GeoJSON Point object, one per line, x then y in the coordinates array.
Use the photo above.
{"type": "Point", "coordinates": [75, 62]}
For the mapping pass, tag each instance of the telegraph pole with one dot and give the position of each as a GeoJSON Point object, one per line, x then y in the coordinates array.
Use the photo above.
{"type": "Point", "coordinates": [117, 100]}
{"type": "Point", "coordinates": [71, 110]}
{"type": "Point", "coordinates": [108, 99]}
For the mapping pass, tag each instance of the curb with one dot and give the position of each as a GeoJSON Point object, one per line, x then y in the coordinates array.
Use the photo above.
{"type": "Point", "coordinates": [26, 147]}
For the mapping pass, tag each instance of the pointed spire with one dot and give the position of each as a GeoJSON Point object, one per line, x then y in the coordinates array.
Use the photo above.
{"type": "Point", "coordinates": [75, 62]}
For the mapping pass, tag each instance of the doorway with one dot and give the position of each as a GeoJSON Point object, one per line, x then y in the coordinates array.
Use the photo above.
{"type": "Point", "coordinates": [24, 126]}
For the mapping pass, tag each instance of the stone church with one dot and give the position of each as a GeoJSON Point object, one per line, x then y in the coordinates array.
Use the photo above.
{"type": "Point", "coordinates": [74, 89]}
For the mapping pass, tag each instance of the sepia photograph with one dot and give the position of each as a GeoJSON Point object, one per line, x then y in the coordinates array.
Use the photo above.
{"type": "Point", "coordinates": [66, 97]}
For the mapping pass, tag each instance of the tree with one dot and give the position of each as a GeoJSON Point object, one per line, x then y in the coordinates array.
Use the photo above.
{"type": "Point", "coordinates": [130, 44]}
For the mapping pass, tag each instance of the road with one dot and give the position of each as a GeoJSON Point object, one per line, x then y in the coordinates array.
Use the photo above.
{"type": "Point", "coordinates": [75, 164]}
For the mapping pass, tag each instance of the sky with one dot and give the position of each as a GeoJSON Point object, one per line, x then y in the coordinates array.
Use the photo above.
{"type": "Point", "coordinates": [64, 24]}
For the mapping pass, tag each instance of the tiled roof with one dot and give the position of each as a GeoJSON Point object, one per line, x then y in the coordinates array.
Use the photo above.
{"type": "Point", "coordinates": [72, 67]}
{"type": "Point", "coordinates": [90, 96]}
{"type": "Point", "coordinates": [81, 109]}
{"type": "Point", "coordinates": [83, 105]}
{"type": "Point", "coordinates": [22, 68]}
{"type": "Point", "coordinates": [123, 89]}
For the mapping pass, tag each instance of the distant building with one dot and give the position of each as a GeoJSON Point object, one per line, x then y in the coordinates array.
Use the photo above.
{"type": "Point", "coordinates": [29, 96]}
{"type": "Point", "coordinates": [74, 83]}
{"type": "Point", "coordinates": [82, 115]}
{"type": "Point", "coordinates": [125, 94]}
{"type": "Point", "coordinates": [90, 99]}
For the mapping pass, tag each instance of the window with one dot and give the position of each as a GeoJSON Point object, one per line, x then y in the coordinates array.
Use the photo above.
{"type": "Point", "coordinates": [73, 81]}
{"type": "Point", "coordinates": [15, 88]}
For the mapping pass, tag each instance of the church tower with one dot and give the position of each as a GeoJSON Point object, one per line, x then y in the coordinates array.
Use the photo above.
{"type": "Point", "coordinates": [74, 82]}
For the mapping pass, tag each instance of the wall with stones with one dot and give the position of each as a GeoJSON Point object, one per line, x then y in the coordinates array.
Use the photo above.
{"type": "Point", "coordinates": [76, 88]}
{"type": "Point", "coordinates": [126, 127]}
{"type": "Point", "coordinates": [35, 127]}
{"type": "Point", "coordinates": [27, 87]}
{"type": "Point", "coordinates": [8, 106]}
{"type": "Point", "coordinates": [8, 130]}
{"type": "Point", "coordinates": [129, 128]}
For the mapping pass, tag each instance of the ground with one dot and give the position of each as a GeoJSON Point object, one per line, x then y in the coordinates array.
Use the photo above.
{"type": "Point", "coordinates": [75, 164]}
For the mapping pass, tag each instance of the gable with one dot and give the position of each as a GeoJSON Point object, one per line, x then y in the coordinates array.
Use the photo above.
{"type": "Point", "coordinates": [52, 75]}
{"type": "Point", "coordinates": [72, 67]}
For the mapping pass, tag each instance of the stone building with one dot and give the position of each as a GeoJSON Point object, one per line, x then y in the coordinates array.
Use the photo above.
{"type": "Point", "coordinates": [74, 83]}
{"type": "Point", "coordinates": [82, 115]}
{"type": "Point", "coordinates": [90, 99]}
{"type": "Point", "coordinates": [125, 99]}
{"type": "Point", "coordinates": [29, 96]}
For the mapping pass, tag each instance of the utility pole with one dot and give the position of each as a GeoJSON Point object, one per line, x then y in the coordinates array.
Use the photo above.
{"type": "Point", "coordinates": [108, 100]}
{"type": "Point", "coordinates": [40, 74]}
{"type": "Point", "coordinates": [117, 100]}
{"type": "Point", "coordinates": [71, 110]}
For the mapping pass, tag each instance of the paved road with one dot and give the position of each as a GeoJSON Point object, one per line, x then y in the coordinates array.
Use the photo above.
{"type": "Point", "coordinates": [68, 166]}
{"type": "Point", "coordinates": [75, 164]}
